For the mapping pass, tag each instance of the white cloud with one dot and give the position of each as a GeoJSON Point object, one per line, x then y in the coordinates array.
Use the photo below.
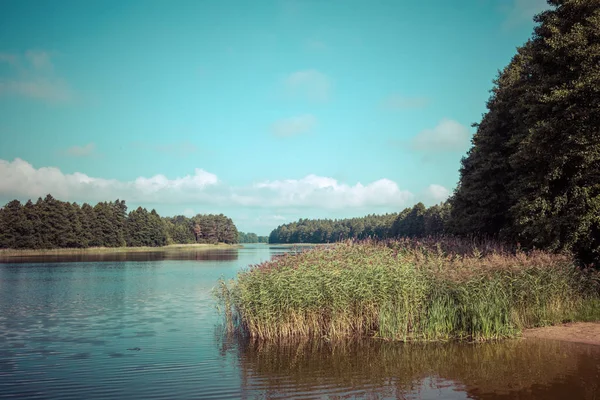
{"type": "Point", "coordinates": [20, 179]}
{"type": "Point", "coordinates": [294, 125]}
{"type": "Point", "coordinates": [435, 194]}
{"type": "Point", "coordinates": [448, 135]}
{"type": "Point", "coordinates": [158, 183]}
{"type": "Point", "coordinates": [324, 192]}
{"type": "Point", "coordinates": [310, 84]}
{"type": "Point", "coordinates": [81, 151]}
{"type": "Point", "coordinates": [189, 212]}
{"type": "Point", "coordinates": [398, 102]}
{"type": "Point", "coordinates": [32, 76]}
{"type": "Point", "coordinates": [280, 199]}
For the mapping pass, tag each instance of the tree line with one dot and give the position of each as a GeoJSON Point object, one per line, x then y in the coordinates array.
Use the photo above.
{"type": "Point", "coordinates": [251, 238]}
{"type": "Point", "coordinates": [50, 223]}
{"type": "Point", "coordinates": [533, 173]}
{"type": "Point", "coordinates": [332, 230]}
{"type": "Point", "coordinates": [416, 221]}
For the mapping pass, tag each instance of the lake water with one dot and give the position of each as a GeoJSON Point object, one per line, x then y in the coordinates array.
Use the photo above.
{"type": "Point", "coordinates": [144, 326]}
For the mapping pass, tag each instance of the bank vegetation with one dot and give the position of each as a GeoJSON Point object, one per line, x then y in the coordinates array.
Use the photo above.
{"type": "Point", "coordinates": [409, 290]}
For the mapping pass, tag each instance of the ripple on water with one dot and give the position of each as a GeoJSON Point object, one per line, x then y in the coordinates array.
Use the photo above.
{"type": "Point", "coordinates": [78, 356]}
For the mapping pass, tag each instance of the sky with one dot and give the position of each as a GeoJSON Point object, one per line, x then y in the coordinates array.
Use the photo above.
{"type": "Point", "coordinates": [265, 111]}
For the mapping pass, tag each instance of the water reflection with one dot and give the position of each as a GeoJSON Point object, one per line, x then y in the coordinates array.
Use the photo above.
{"type": "Point", "coordinates": [198, 255]}
{"type": "Point", "coordinates": [523, 369]}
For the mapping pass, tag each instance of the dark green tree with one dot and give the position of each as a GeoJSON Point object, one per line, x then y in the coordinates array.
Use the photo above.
{"type": "Point", "coordinates": [13, 223]}
{"type": "Point", "coordinates": [157, 234]}
{"type": "Point", "coordinates": [411, 223]}
{"type": "Point", "coordinates": [138, 228]}
{"type": "Point", "coordinates": [481, 201]}
{"type": "Point", "coordinates": [247, 237]}
{"type": "Point", "coordinates": [50, 223]}
{"type": "Point", "coordinates": [533, 174]}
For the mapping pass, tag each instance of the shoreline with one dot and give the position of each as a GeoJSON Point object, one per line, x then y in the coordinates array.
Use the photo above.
{"type": "Point", "coordinates": [299, 244]}
{"type": "Point", "coordinates": [107, 250]}
{"type": "Point", "coordinates": [575, 332]}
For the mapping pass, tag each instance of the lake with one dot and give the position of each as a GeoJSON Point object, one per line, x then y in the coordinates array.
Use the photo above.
{"type": "Point", "coordinates": [144, 326]}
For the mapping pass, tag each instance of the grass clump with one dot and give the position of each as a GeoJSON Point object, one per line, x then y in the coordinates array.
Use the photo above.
{"type": "Point", "coordinates": [408, 290]}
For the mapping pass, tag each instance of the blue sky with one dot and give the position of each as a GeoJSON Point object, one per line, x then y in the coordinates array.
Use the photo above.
{"type": "Point", "coordinates": [266, 111]}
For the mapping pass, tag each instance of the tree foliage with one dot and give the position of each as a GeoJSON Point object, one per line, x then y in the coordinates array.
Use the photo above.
{"type": "Point", "coordinates": [417, 221]}
{"type": "Point", "coordinates": [51, 223]}
{"type": "Point", "coordinates": [533, 173]}
{"type": "Point", "coordinates": [251, 238]}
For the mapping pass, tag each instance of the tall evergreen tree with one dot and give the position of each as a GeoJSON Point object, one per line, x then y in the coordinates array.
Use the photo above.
{"type": "Point", "coordinates": [482, 199]}
{"type": "Point", "coordinates": [87, 220]}
{"type": "Point", "coordinates": [31, 232]}
{"type": "Point", "coordinates": [12, 223]}
{"type": "Point", "coordinates": [137, 228]}
{"type": "Point", "coordinates": [104, 228]}
{"type": "Point", "coordinates": [533, 174]}
{"type": "Point", "coordinates": [557, 163]}
{"type": "Point", "coordinates": [156, 229]}
{"type": "Point", "coordinates": [72, 230]}
{"type": "Point", "coordinates": [50, 223]}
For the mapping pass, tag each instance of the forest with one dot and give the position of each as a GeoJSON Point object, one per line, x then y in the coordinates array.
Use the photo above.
{"type": "Point", "coordinates": [50, 223]}
{"type": "Point", "coordinates": [416, 221]}
{"type": "Point", "coordinates": [251, 238]}
{"type": "Point", "coordinates": [532, 175]}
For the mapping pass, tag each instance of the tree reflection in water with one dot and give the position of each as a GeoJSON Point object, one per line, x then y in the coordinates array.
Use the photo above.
{"type": "Point", "coordinates": [524, 369]}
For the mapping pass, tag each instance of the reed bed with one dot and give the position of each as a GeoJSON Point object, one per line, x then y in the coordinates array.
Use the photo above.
{"type": "Point", "coordinates": [409, 290]}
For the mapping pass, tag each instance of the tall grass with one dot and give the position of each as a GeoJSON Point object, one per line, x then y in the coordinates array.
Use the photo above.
{"type": "Point", "coordinates": [409, 290]}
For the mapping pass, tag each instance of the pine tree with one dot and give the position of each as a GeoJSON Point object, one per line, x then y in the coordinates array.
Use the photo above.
{"type": "Point", "coordinates": [12, 222]}
{"type": "Point", "coordinates": [533, 174]}
{"type": "Point", "coordinates": [50, 223]}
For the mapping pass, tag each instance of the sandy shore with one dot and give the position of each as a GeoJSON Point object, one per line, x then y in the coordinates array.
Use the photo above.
{"type": "Point", "coordinates": [579, 332]}
{"type": "Point", "coordinates": [105, 250]}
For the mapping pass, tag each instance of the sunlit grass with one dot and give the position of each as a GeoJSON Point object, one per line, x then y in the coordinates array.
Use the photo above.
{"type": "Point", "coordinates": [408, 290]}
{"type": "Point", "coordinates": [104, 250]}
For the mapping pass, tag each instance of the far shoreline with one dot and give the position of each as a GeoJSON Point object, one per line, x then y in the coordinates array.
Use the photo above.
{"type": "Point", "coordinates": [108, 250]}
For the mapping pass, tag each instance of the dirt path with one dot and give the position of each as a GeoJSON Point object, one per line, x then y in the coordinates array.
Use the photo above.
{"type": "Point", "coordinates": [580, 332]}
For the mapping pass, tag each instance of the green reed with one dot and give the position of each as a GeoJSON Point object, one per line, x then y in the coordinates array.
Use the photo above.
{"type": "Point", "coordinates": [405, 291]}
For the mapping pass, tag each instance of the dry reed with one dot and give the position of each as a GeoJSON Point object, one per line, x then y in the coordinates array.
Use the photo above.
{"type": "Point", "coordinates": [409, 290]}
